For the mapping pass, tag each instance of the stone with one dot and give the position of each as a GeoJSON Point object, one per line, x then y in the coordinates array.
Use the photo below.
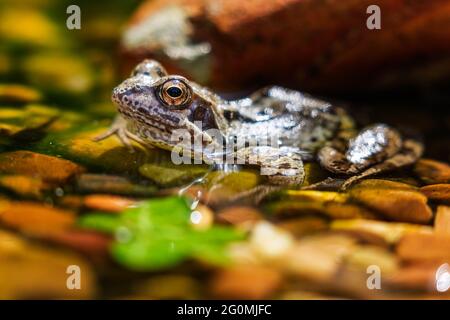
{"type": "Point", "coordinates": [437, 192]}
{"type": "Point", "coordinates": [424, 247]}
{"type": "Point", "coordinates": [30, 270]}
{"type": "Point", "coordinates": [245, 282]}
{"type": "Point", "coordinates": [48, 168]}
{"type": "Point", "coordinates": [237, 215]}
{"type": "Point", "coordinates": [391, 232]}
{"type": "Point", "coordinates": [262, 41]}
{"type": "Point", "coordinates": [432, 171]}
{"type": "Point", "coordinates": [35, 218]}
{"type": "Point", "coordinates": [108, 203]}
{"type": "Point", "coordinates": [442, 221]}
{"type": "Point", "coordinates": [396, 201]}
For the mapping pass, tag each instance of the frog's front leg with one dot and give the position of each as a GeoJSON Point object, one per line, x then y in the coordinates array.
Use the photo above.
{"type": "Point", "coordinates": [119, 129]}
{"type": "Point", "coordinates": [375, 149]}
{"type": "Point", "coordinates": [282, 166]}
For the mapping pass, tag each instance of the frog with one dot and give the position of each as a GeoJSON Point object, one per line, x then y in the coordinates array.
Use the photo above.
{"type": "Point", "coordinates": [153, 104]}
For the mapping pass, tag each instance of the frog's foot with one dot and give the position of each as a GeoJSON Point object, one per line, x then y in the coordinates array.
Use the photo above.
{"type": "Point", "coordinates": [374, 150]}
{"type": "Point", "coordinates": [281, 166]}
{"type": "Point", "coordinates": [118, 128]}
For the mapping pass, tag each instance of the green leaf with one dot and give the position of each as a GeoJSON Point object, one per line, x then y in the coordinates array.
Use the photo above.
{"type": "Point", "coordinates": [157, 235]}
{"type": "Point", "coordinates": [101, 222]}
{"type": "Point", "coordinates": [144, 254]}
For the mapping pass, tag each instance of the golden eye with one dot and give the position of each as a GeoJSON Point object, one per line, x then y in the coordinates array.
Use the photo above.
{"type": "Point", "coordinates": [175, 93]}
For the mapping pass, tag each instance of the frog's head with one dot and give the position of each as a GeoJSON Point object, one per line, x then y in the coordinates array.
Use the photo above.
{"type": "Point", "coordinates": [155, 104]}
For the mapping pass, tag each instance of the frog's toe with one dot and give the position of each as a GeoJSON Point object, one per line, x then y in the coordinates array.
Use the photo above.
{"type": "Point", "coordinates": [104, 135]}
{"type": "Point", "coordinates": [120, 133]}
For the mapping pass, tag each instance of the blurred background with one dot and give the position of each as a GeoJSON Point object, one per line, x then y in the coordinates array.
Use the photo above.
{"type": "Point", "coordinates": [55, 87]}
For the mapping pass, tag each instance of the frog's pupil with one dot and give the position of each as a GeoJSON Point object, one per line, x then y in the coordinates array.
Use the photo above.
{"type": "Point", "coordinates": [174, 92]}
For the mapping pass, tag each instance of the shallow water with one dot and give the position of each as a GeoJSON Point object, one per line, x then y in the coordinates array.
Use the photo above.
{"type": "Point", "coordinates": [136, 222]}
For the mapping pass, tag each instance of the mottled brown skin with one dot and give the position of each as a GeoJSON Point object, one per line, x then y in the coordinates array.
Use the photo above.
{"type": "Point", "coordinates": [152, 104]}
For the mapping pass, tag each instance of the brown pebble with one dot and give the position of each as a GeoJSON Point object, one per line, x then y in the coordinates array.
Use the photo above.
{"type": "Point", "coordinates": [347, 211]}
{"type": "Point", "coordinates": [245, 282]}
{"type": "Point", "coordinates": [239, 214]}
{"type": "Point", "coordinates": [24, 185]}
{"type": "Point", "coordinates": [109, 203]}
{"type": "Point", "coordinates": [364, 256]}
{"type": "Point", "coordinates": [303, 226]}
{"type": "Point", "coordinates": [412, 277]}
{"type": "Point", "coordinates": [391, 232]}
{"type": "Point", "coordinates": [364, 237]}
{"type": "Point", "coordinates": [49, 169]}
{"type": "Point", "coordinates": [424, 247]}
{"type": "Point", "coordinates": [170, 286]}
{"type": "Point", "coordinates": [437, 192]}
{"type": "Point", "coordinates": [30, 270]}
{"type": "Point", "coordinates": [90, 243]}
{"type": "Point", "coordinates": [317, 258]}
{"type": "Point", "coordinates": [431, 171]}
{"type": "Point", "coordinates": [111, 184]}
{"type": "Point", "coordinates": [396, 201]}
{"type": "Point", "coordinates": [383, 184]}
{"type": "Point", "coordinates": [442, 221]}
{"type": "Point", "coordinates": [71, 201]}
{"type": "Point", "coordinates": [35, 218]}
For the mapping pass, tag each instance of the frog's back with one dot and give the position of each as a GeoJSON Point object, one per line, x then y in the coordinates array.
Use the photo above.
{"type": "Point", "coordinates": [290, 118]}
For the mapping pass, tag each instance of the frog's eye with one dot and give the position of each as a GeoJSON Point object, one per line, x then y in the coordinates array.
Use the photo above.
{"type": "Point", "coordinates": [175, 93]}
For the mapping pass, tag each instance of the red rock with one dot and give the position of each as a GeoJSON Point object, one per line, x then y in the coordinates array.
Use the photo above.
{"type": "Point", "coordinates": [309, 44]}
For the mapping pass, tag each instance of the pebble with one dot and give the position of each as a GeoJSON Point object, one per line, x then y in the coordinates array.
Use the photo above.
{"type": "Point", "coordinates": [245, 282]}
{"type": "Point", "coordinates": [437, 192]}
{"type": "Point", "coordinates": [395, 201]}
{"type": "Point", "coordinates": [391, 232]}
{"type": "Point", "coordinates": [237, 215]}
{"type": "Point", "coordinates": [424, 247]}
{"type": "Point", "coordinates": [432, 171]}
{"type": "Point", "coordinates": [108, 203]}
{"type": "Point", "coordinates": [269, 241]}
{"type": "Point", "coordinates": [35, 218]}
{"type": "Point", "coordinates": [48, 168]}
{"type": "Point", "coordinates": [442, 221]}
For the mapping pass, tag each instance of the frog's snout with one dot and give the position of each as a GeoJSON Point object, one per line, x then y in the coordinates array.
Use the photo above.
{"type": "Point", "coordinates": [117, 94]}
{"type": "Point", "coordinates": [121, 94]}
